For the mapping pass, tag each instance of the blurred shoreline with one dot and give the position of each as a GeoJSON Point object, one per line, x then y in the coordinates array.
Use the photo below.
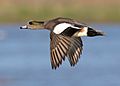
{"type": "Point", "coordinates": [100, 11]}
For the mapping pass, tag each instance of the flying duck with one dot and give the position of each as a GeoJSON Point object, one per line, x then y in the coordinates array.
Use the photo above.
{"type": "Point", "coordinates": [65, 38]}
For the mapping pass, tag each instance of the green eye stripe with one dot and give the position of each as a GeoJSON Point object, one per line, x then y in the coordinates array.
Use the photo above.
{"type": "Point", "coordinates": [35, 22]}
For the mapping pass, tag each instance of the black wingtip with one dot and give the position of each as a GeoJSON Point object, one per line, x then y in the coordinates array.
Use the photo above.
{"type": "Point", "coordinates": [54, 68]}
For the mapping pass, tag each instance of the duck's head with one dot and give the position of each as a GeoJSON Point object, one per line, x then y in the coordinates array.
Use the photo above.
{"type": "Point", "coordinates": [33, 25]}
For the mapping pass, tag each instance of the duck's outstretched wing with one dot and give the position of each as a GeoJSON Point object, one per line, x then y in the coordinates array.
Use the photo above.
{"type": "Point", "coordinates": [75, 50]}
{"type": "Point", "coordinates": [61, 46]}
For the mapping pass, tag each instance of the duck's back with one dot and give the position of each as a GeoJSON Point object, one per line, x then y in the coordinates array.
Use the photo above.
{"type": "Point", "coordinates": [52, 23]}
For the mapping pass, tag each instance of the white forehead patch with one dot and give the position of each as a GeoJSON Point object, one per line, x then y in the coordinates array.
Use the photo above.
{"type": "Point", "coordinates": [61, 27]}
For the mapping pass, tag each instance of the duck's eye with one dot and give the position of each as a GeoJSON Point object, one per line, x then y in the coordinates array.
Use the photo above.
{"type": "Point", "coordinates": [30, 23]}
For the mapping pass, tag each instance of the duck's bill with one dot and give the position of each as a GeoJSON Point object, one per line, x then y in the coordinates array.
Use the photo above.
{"type": "Point", "coordinates": [24, 27]}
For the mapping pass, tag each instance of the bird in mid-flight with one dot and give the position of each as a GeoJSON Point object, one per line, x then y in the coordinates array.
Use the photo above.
{"type": "Point", "coordinates": [65, 38]}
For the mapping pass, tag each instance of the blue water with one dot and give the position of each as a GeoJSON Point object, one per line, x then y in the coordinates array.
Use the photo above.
{"type": "Point", "coordinates": [25, 59]}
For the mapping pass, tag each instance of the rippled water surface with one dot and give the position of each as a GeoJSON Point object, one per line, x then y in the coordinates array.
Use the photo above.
{"type": "Point", "coordinates": [25, 59]}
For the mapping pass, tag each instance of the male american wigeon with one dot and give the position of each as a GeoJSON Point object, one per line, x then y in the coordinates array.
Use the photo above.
{"type": "Point", "coordinates": [65, 38]}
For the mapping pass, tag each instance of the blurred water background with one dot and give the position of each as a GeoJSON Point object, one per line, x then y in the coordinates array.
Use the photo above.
{"type": "Point", "coordinates": [25, 54]}
{"type": "Point", "coordinates": [25, 59]}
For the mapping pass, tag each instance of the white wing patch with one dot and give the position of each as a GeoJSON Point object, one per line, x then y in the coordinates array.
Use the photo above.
{"type": "Point", "coordinates": [61, 27]}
